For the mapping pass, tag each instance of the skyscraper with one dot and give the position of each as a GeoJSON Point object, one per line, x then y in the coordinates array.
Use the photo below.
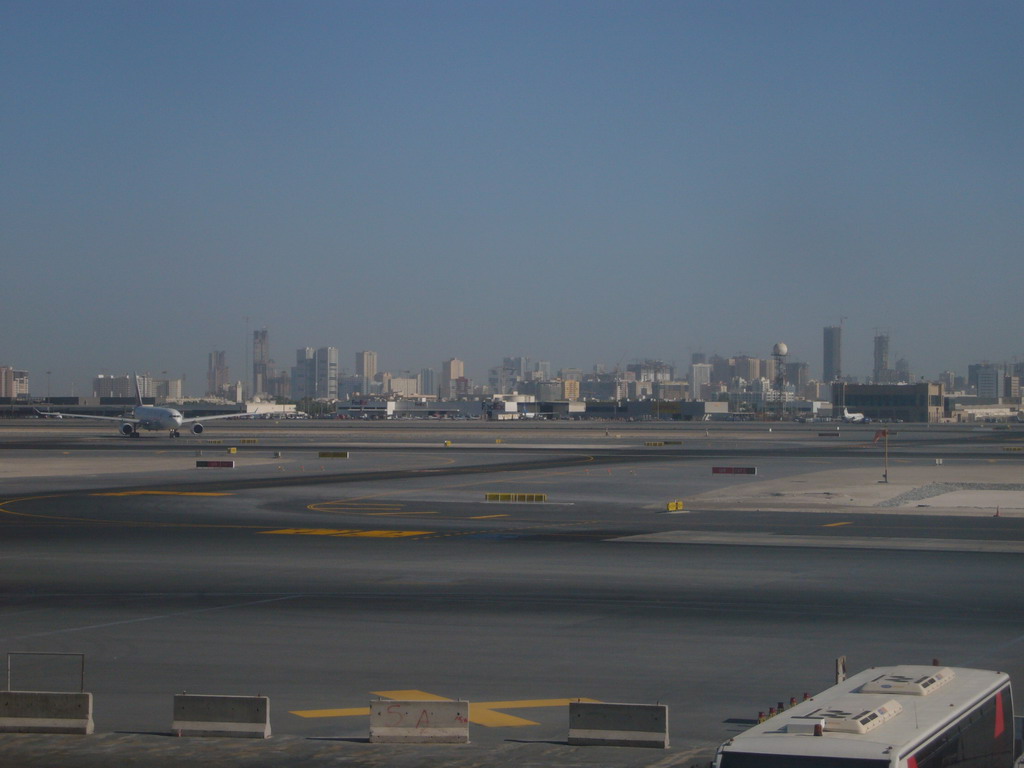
{"type": "Point", "coordinates": [990, 380]}
{"type": "Point", "coordinates": [326, 360]}
{"type": "Point", "coordinates": [304, 374]}
{"type": "Point", "coordinates": [217, 373]}
{"type": "Point", "coordinates": [260, 361]}
{"type": "Point", "coordinates": [366, 368]}
{"type": "Point", "coordinates": [428, 381]}
{"type": "Point", "coordinates": [700, 377]}
{"type": "Point", "coordinates": [832, 363]}
{"type": "Point", "coordinates": [881, 372]}
{"type": "Point", "coordinates": [315, 373]}
{"type": "Point", "coordinates": [798, 374]}
{"type": "Point", "coordinates": [451, 371]}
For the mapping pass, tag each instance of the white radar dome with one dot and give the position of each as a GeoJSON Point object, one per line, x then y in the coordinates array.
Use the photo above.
{"type": "Point", "coordinates": [780, 349]}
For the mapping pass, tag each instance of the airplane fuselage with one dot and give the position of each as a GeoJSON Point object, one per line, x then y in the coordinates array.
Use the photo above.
{"type": "Point", "coordinates": [153, 418]}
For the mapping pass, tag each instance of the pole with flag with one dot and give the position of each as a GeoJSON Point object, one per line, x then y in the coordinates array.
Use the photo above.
{"type": "Point", "coordinates": [883, 434]}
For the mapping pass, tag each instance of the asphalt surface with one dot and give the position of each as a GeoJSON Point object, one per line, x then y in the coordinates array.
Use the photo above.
{"type": "Point", "coordinates": [324, 583]}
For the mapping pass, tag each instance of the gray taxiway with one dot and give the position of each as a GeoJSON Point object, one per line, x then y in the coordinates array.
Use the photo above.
{"type": "Point", "coordinates": [323, 582]}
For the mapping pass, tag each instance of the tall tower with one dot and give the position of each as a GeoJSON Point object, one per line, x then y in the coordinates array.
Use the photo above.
{"type": "Point", "coordinates": [366, 368]}
{"type": "Point", "coordinates": [451, 371]}
{"type": "Point", "coordinates": [700, 376]}
{"type": "Point", "coordinates": [779, 353]}
{"type": "Point", "coordinates": [304, 374]}
{"type": "Point", "coordinates": [428, 381]}
{"type": "Point", "coordinates": [260, 361]}
{"type": "Point", "coordinates": [326, 365]}
{"type": "Point", "coordinates": [832, 361]}
{"type": "Point", "coordinates": [881, 370]}
{"type": "Point", "coordinates": [217, 373]}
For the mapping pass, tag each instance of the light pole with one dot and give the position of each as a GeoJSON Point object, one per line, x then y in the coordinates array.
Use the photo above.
{"type": "Point", "coordinates": [884, 434]}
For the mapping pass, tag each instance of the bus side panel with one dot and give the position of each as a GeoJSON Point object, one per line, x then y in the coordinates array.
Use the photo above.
{"type": "Point", "coordinates": [983, 738]}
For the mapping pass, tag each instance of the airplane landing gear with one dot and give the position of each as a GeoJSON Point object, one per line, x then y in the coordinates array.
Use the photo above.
{"type": "Point", "coordinates": [175, 433]}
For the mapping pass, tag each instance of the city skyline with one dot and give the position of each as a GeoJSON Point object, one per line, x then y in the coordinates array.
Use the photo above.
{"type": "Point", "coordinates": [581, 182]}
{"type": "Point", "coordinates": [309, 369]}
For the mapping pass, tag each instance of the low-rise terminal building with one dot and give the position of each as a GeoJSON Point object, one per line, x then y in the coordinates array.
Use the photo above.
{"type": "Point", "coordinates": [894, 402]}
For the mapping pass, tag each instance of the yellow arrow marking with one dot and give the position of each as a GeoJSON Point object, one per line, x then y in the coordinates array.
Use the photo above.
{"type": "Point", "coordinates": [480, 713]}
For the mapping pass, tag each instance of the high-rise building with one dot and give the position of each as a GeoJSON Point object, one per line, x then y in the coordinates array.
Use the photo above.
{"type": "Point", "coordinates": [748, 368]}
{"type": "Point", "coordinates": [168, 390]}
{"type": "Point", "coordinates": [403, 386]}
{"type": "Point", "coordinates": [315, 374]}
{"type": "Point", "coordinates": [700, 377]}
{"type": "Point", "coordinates": [21, 384]}
{"type": "Point", "coordinates": [122, 386]}
{"type": "Point", "coordinates": [881, 373]}
{"type": "Point", "coordinates": [499, 380]}
{"type": "Point", "coordinates": [304, 374]}
{"type": "Point", "coordinates": [798, 374]}
{"type": "Point", "coordinates": [651, 370]}
{"type": "Point", "coordinates": [6, 381]}
{"type": "Point", "coordinates": [326, 360]}
{"type": "Point", "coordinates": [990, 381]}
{"type": "Point", "coordinates": [428, 382]}
{"type": "Point", "coordinates": [722, 368]}
{"type": "Point", "coordinates": [217, 374]}
{"type": "Point", "coordinates": [832, 362]}
{"type": "Point", "coordinates": [366, 368]}
{"type": "Point", "coordinates": [14, 383]}
{"type": "Point", "coordinates": [260, 361]}
{"type": "Point", "coordinates": [280, 385]}
{"type": "Point", "coordinates": [451, 371]}
{"type": "Point", "coordinates": [902, 371]}
{"type": "Point", "coordinates": [518, 367]}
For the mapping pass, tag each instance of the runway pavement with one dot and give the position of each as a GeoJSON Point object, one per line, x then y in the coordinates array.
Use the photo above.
{"type": "Point", "coordinates": [323, 583]}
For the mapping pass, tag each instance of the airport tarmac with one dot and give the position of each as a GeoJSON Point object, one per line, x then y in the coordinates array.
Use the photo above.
{"type": "Point", "coordinates": [323, 583]}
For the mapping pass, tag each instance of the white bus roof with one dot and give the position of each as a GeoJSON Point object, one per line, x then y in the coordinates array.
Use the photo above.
{"type": "Point", "coordinates": [873, 715]}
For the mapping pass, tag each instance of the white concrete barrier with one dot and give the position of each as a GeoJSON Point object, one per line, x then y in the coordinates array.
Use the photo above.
{"type": "Point", "coordinates": [419, 722]}
{"type": "Point", "coordinates": [45, 712]}
{"type": "Point", "coordinates": [240, 716]}
{"type": "Point", "coordinates": [618, 725]}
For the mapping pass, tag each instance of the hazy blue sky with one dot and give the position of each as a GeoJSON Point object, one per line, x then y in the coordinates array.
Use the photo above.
{"type": "Point", "coordinates": [578, 182]}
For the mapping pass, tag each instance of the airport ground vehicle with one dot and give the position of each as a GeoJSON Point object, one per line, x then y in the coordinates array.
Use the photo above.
{"type": "Point", "coordinates": [889, 717]}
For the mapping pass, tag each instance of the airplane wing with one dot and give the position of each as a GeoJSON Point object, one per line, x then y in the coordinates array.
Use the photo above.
{"type": "Point", "coordinates": [56, 415]}
{"type": "Point", "coordinates": [185, 422]}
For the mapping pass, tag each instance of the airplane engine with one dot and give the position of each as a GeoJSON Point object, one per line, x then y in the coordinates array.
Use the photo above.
{"type": "Point", "coordinates": [197, 429]}
{"type": "Point", "coordinates": [126, 429]}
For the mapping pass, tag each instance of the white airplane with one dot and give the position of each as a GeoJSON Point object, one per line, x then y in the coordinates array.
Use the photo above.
{"type": "Point", "coordinates": [148, 417]}
{"type": "Point", "coordinates": [852, 418]}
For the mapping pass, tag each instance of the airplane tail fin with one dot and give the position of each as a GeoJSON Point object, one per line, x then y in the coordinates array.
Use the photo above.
{"type": "Point", "coordinates": [138, 390]}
